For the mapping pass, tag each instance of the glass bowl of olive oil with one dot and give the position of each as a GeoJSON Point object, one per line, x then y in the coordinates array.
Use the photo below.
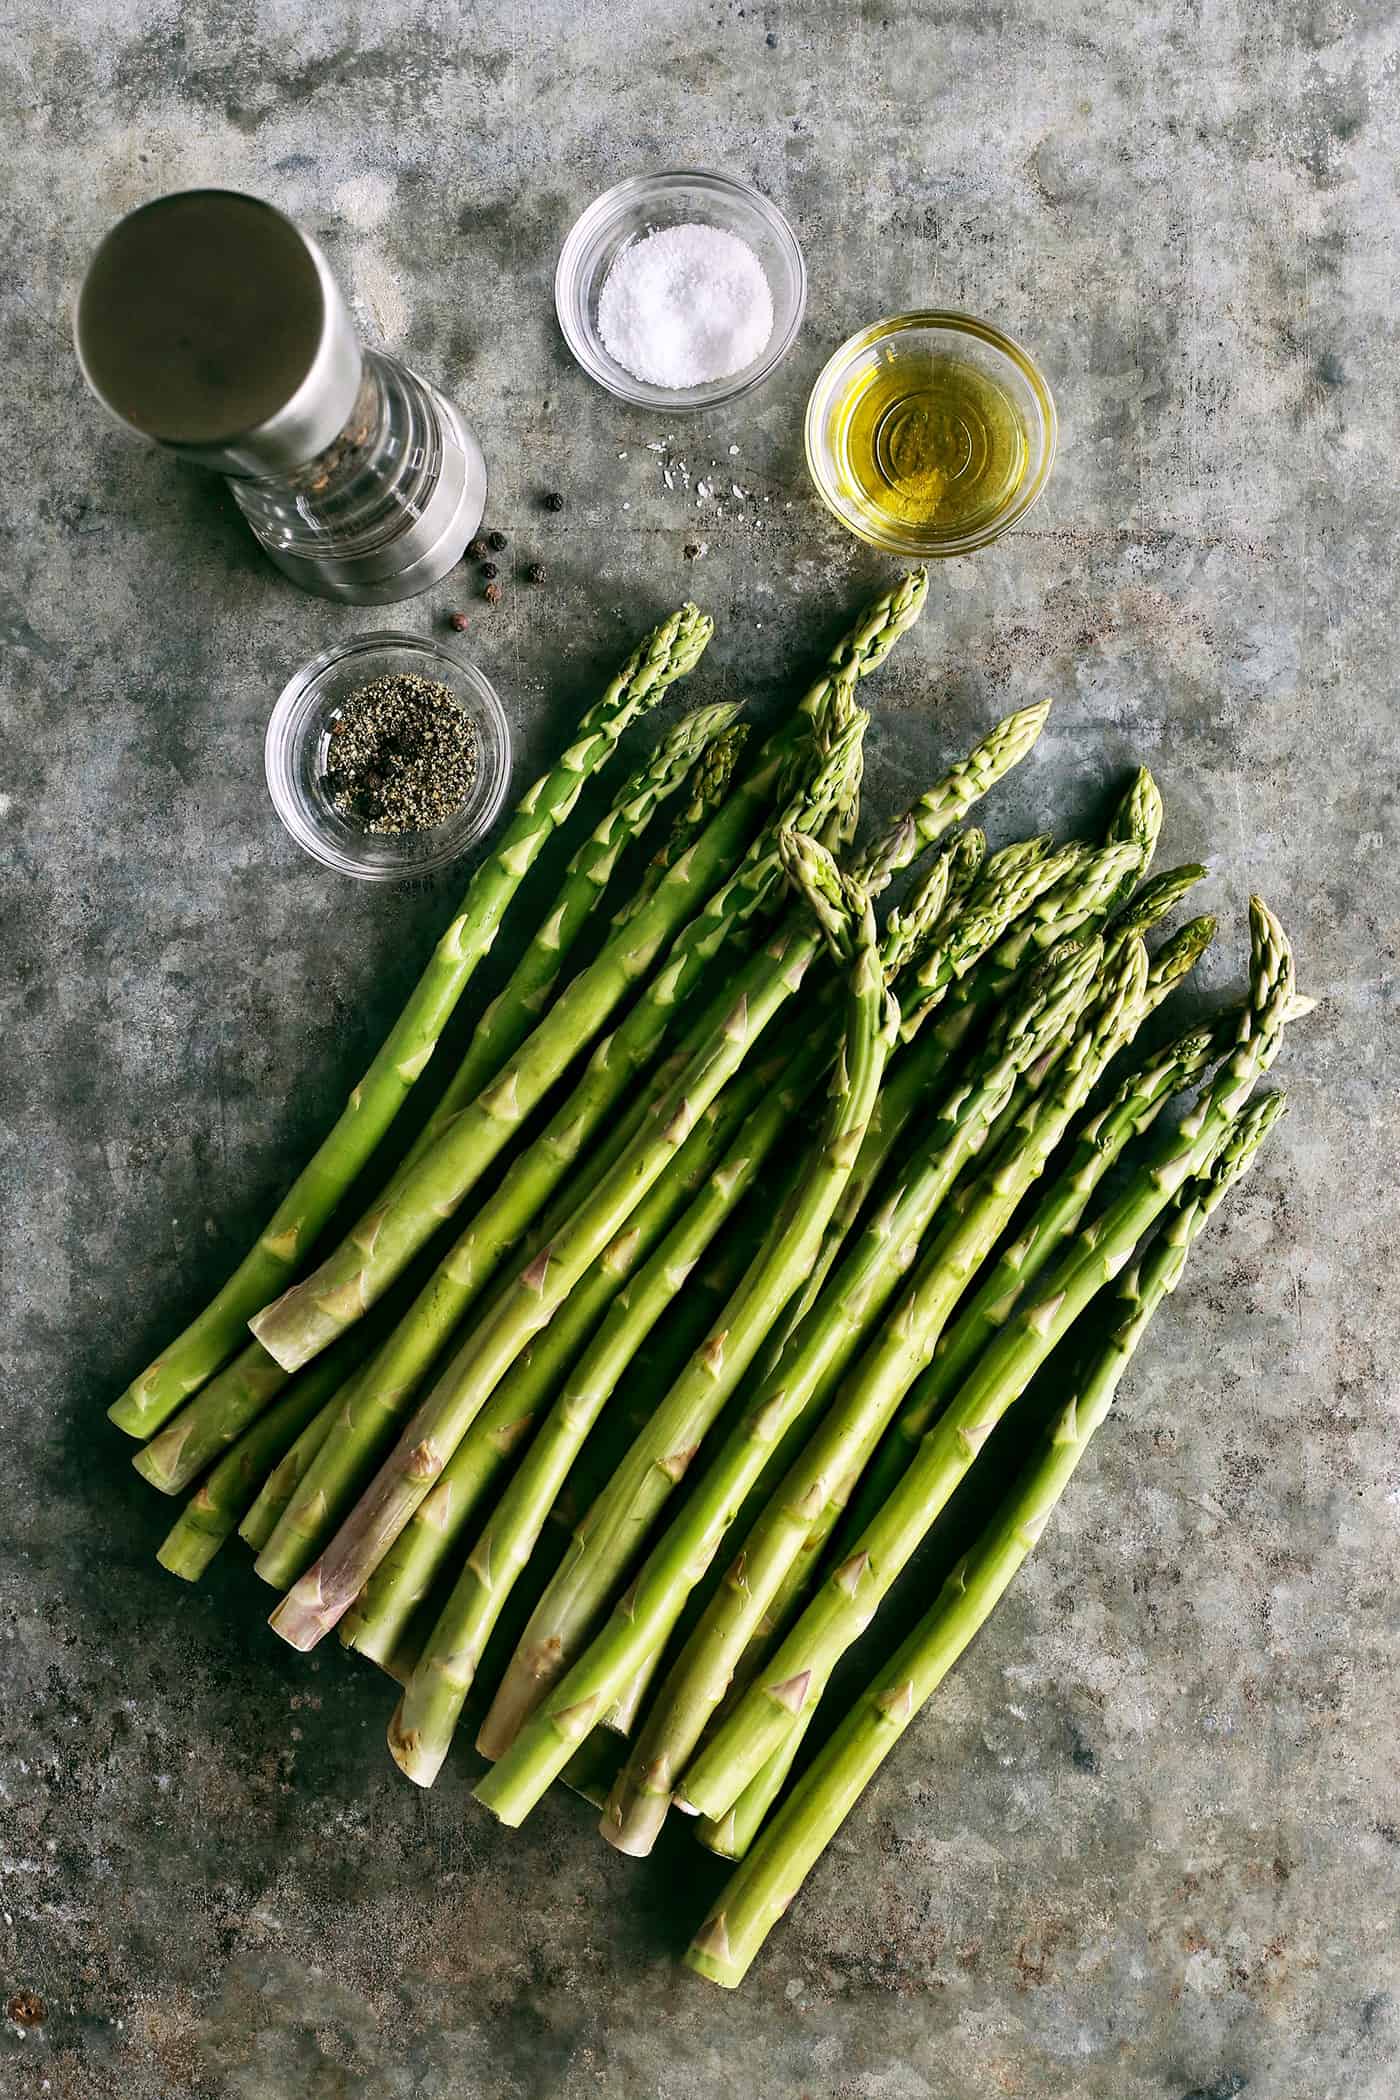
{"type": "Point", "coordinates": [930, 434]}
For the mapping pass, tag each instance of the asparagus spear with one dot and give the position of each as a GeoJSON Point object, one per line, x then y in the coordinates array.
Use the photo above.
{"type": "Point", "coordinates": [569, 1606]}
{"type": "Point", "coordinates": [1015, 1167]}
{"type": "Point", "coordinates": [1100, 1144]}
{"type": "Point", "coordinates": [667, 654]}
{"type": "Point", "coordinates": [827, 1343]}
{"type": "Point", "coordinates": [383, 1393]}
{"type": "Point", "coordinates": [774, 1871]}
{"type": "Point", "coordinates": [421, 1731]}
{"type": "Point", "coordinates": [1044, 895]}
{"type": "Point", "coordinates": [323, 1594]}
{"type": "Point", "coordinates": [403, 1578]}
{"type": "Point", "coordinates": [568, 1713]}
{"type": "Point", "coordinates": [219, 1502]}
{"type": "Point", "coordinates": [768, 982]}
{"type": "Point", "coordinates": [309, 1315]}
{"type": "Point", "coordinates": [265, 1512]}
{"type": "Point", "coordinates": [709, 784]}
{"type": "Point", "coordinates": [414, 1333]}
{"type": "Point", "coordinates": [1137, 821]}
{"type": "Point", "coordinates": [516, 1009]}
{"type": "Point", "coordinates": [632, 1500]}
{"type": "Point", "coordinates": [1154, 901]}
{"type": "Point", "coordinates": [847, 1601]}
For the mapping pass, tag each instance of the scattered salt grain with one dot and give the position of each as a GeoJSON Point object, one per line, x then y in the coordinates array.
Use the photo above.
{"type": "Point", "coordinates": [685, 306]}
{"type": "Point", "coordinates": [734, 452]}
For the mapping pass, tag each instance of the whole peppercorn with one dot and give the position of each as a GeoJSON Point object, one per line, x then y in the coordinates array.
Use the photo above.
{"type": "Point", "coordinates": [458, 622]}
{"type": "Point", "coordinates": [493, 594]}
{"type": "Point", "coordinates": [489, 571]}
{"type": "Point", "coordinates": [476, 549]}
{"type": "Point", "coordinates": [535, 573]}
{"type": "Point", "coordinates": [497, 542]}
{"type": "Point", "coordinates": [554, 501]}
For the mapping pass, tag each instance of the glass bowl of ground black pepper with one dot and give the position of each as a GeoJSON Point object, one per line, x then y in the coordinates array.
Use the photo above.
{"type": "Point", "coordinates": [387, 756]}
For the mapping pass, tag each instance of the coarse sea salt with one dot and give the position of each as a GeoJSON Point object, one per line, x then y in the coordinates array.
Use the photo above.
{"type": "Point", "coordinates": [685, 306]}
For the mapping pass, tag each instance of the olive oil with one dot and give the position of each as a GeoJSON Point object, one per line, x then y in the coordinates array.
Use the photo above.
{"type": "Point", "coordinates": [930, 443]}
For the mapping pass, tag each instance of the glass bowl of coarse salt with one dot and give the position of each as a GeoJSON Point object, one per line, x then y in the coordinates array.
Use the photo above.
{"type": "Point", "coordinates": [681, 290]}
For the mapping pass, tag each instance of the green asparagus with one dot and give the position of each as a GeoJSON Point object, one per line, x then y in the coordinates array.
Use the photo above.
{"type": "Point", "coordinates": [851, 1595]}
{"type": "Point", "coordinates": [309, 1315]}
{"type": "Point", "coordinates": [668, 653]}
{"type": "Point", "coordinates": [827, 1344]}
{"type": "Point", "coordinates": [421, 1731]}
{"type": "Point", "coordinates": [383, 1393]}
{"type": "Point", "coordinates": [403, 1578]}
{"type": "Point", "coordinates": [545, 1743]}
{"type": "Point", "coordinates": [767, 983]}
{"type": "Point", "coordinates": [774, 1871]}
{"type": "Point", "coordinates": [518, 1007]}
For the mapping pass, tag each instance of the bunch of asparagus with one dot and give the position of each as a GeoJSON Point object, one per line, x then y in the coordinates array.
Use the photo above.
{"type": "Point", "coordinates": [790, 1209]}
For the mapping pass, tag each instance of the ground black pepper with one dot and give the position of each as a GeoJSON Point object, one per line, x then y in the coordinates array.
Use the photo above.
{"type": "Point", "coordinates": [404, 756]}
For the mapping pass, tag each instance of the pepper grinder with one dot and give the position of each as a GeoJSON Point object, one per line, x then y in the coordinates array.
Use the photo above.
{"type": "Point", "coordinates": [210, 324]}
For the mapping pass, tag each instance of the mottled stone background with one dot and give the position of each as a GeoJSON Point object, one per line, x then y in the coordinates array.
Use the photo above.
{"type": "Point", "coordinates": [1147, 1844]}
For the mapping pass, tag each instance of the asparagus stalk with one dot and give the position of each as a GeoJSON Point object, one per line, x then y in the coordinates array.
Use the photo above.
{"type": "Point", "coordinates": [974, 919]}
{"type": "Point", "coordinates": [1137, 821]}
{"type": "Point", "coordinates": [1016, 1166]}
{"type": "Point", "coordinates": [403, 1578]}
{"type": "Point", "coordinates": [309, 1315]}
{"type": "Point", "coordinates": [570, 1710]}
{"type": "Point", "coordinates": [774, 1871]}
{"type": "Point", "coordinates": [604, 1545]}
{"type": "Point", "coordinates": [1100, 1144]}
{"type": "Point", "coordinates": [383, 1394]}
{"type": "Point", "coordinates": [1154, 901]}
{"type": "Point", "coordinates": [567, 1610]}
{"type": "Point", "coordinates": [668, 653]}
{"type": "Point", "coordinates": [323, 1594]}
{"type": "Point", "coordinates": [261, 1521]}
{"type": "Point", "coordinates": [421, 1731]}
{"type": "Point", "coordinates": [517, 1008]}
{"type": "Point", "coordinates": [223, 1498]}
{"type": "Point", "coordinates": [768, 982]}
{"type": "Point", "coordinates": [282, 1482]}
{"type": "Point", "coordinates": [848, 1600]}
{"type": "Point", "coordinates": [709, 784]}
{"type": "Point", "coordinates": [827, 1343]}
{"type": "Point", "coordinates": [213, 1419]}
{"type": "Point", "coordinates": [503, 1425]}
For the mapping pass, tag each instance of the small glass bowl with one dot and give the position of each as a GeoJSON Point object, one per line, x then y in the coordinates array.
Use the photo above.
{"type": "Point", "coordinates": [298, 739]}
{"type": "Point", "coordinates": [915, 335]}
{"type": "Point", "coordinates": [644, 204]}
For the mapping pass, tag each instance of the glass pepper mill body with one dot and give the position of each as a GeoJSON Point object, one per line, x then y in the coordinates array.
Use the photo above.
{"type": "Point", "coordinates": [211, 324]}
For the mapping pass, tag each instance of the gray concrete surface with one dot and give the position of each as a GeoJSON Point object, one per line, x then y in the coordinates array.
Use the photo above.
{"type": "Point", "coordinates": [1147, 1845]}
